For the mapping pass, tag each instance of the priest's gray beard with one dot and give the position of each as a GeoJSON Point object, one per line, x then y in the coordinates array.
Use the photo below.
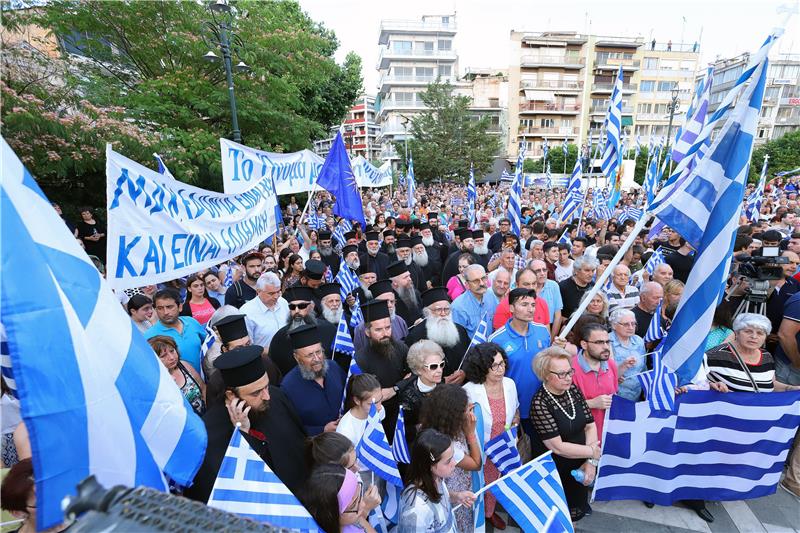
{"type": "Point", "coordinates": [310, 319]}
{"type": "Point", "coordinates": [364, 286]}
{"type": "Point", "coordinates": [408, 295]}
{"type": "Point", "coordinates": [482, 249]}
{"type": "Point", "coordinates": [427, 241]}
{"type": "Point", "coordinates": [441, 330]}
{"type": "Point", "coordinates": [421, 259]}
{"type": "Point", "coordinates": [332, 316]}
{"type": "Point", "coordinates": [409, 259]}
{"type": "Point", "coordinates": [371, 253]}
{"type": "Point", "coordinates": [325, 251]}
{"type": "Point", "coordinates": [355, 264]}
{"type": "Point", "coordinates": [310, 375]}
{"type": "Point", "coordinates": [390, 249]}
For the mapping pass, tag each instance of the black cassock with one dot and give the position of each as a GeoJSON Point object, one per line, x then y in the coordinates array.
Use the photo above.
{"type": "Point", "coordinates": [280, 347]}
{"type": "Point", "coordinates": [452, 355]}
{"type": "Point", "coordinates": [389, 371]}
{"type": "Point", "coordinates": [409, 314]}
{"type": "Point", "coordinates": [282, 448]}
{"type": "Point", "coordinates": [376, 264]}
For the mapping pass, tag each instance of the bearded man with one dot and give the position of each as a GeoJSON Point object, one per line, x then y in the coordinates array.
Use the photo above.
{"type": "Point", "coordinates": [405, 255]}
{"type": "Point", "coordinates": [439, 327]}
{"type": "Point", "coordinates": [375, 260]}
{"type": "Point", "coordinates": [329, 255]}
{"type": "Point", "coordinates": [408, 298]}
{"type": "Point", "coordinates": [420, 258]}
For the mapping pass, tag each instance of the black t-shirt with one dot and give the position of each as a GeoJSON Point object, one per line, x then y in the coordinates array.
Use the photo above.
{"type": "Point", "coordinates": [681, 264]}
{"type": "Point", "coordinates": [239, 293]}
{"type": "Point", "coordinates": [643, 319]}
{"type": "Point", "coordinates": [571, 295]}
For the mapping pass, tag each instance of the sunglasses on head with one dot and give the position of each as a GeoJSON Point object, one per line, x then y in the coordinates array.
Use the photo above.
{"type": "Point", "coordinates": [301, 305]}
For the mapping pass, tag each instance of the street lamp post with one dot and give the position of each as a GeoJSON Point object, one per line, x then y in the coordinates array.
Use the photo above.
{"type": "Point", "coordinates": [672, 107]}
{"type": "Point", "coordinates": [219, 34]}
{"type": "Point", "coordinates": [405, 137]}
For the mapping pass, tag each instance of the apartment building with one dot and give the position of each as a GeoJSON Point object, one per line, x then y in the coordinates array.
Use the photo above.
{"type": "Point", "coordinates": [488, 90]}
{"type": "Point", "coordinates": [360, 133]}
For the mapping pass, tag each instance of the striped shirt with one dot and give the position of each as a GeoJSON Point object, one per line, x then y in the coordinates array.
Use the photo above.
{"type": "Point", "coordinates": [618, 300]}
{"type": "Point", "coordinates": [724, 367]}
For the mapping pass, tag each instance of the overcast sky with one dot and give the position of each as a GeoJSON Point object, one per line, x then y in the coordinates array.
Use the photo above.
{"type": "Point", "coordinates": [729, 27]}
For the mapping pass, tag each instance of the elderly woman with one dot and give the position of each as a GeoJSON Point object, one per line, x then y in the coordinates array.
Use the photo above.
{"type": "Point", "coordinates": [485, 369]}
{"type": "Point", "coordinates": [598, 305]}
{"type": "Point", "coordinates": [628, 348]}
{"type": "Point", "coordinates": [742, 365]}
{"type": "Point", "coordinates": [426, 360]}
{"type": "Point", "coordinates": [184, 375]}
{"type": "Point", "coordinates": [565, 424]}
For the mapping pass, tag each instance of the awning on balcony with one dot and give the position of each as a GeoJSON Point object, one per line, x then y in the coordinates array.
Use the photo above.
{"type": "Point", "coordinates": [539, 96]}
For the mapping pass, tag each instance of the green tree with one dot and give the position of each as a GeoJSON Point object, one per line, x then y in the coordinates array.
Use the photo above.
{"type": "Point", "coordinates": [446, 139]}
{"type": "Point", "coordinates": [144, 60]}
{"type": "Point", "coordinates": [784, 154]}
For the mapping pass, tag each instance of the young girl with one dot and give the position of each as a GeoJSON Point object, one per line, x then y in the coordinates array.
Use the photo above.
{"type": "Point", "coordinates": [362, 391]}
{"type": "Point", "coordinates": [334, 497]}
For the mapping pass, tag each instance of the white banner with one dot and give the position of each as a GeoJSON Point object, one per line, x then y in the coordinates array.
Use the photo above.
{"type": "Point", "coordinates": [243, 166]}
{"type": "Point", "coordinates": [367, 175]}
{"type": "Point", "coordinates": [161, 229]}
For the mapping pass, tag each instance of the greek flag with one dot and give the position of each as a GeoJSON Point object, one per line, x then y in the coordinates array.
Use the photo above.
{"type": "Point", "coordinates": [659, 384]}
{"type": "Point", "coordinates": [564, 239]}
{"type": "Point", "coordinates": [754, 201]}
{"type": "Point", "coordinates": [352, 370]}
{"type": "Point", "coordinates": [5, 362]}
{"type": "Point", "coordinates": [545, 150]}
{"type": "Point", "coordinates": [548, 177]}
{"type": "Point", "coordinates": [341, 228]}
{"type": "Point", "coordinates": [529, 494]}
{"type": "Point", "coordinates": [656, 258]}
{"type": "Point", "coordinates": [374, 452]}
{"type": "Point", "coordinates": [128, 422]}
{"type": "Point", "coordinates": [655, 331]}
{"type": "Point", "coordinates": [246, 486]}
{"type": "Point", "coordinates": [574, 200]}
{"type": "Point", "coordinates": [630, 213]}
{"type": "Point", "coordinates": [356, 316]}
{"type": "Point", "coordinates": [399, 443]}
{"type": "Point", "coordinates": [506, 176]}
{"type": "Point", "coordinates": [343, 342]}
{"type": "Point", "coordinates": [347, 279]}
{"type": "Point", "coordinates": [600, 208]}
{"type": "Point", "coordinates": [788, 173]}
{"type": "Point", "coordinates": [228, 281]}
{"type": "Point", "coordinates": [650, 142]}
{"type": "Point", "coordinates": [704, 210]}
{"type": "Point", "coordinates": [612, 156]}
{"type": "Point", "coordinates": [481, 333]}
{"type": "Point", "coordinates": [502, 450]}
{"type": "Point", "coordinates": [411, 183]}
{"type": "Point", "coordinates": [695, 118]}
{"type": "Point", "coordinates": [207, 343]}
{"type": "Point", "coordinates": [651, 179]}
{"type": "Point", "coordinates": [638, 148]}
{"type": "Point", "coordinates": [162, 168]}
{"type": "Point", "coordinates": [328, 275]}
{"type": "Point", "coordinates": [565, 149]}
{"type": "Point", "coordinates": [472, 196]}
{"type": "Point", "coordinates": [721, 447]}
{"type": "Point", "coordinates": [515, 195]}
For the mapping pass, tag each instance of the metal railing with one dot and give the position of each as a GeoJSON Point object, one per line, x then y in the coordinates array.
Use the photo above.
{"type": "Point", "coordinates": [615, 62]}
{"type": "Point", "coordinates": [551, 84]}
{"type": "Point", "coordinates": [414, 79]}
{"type": "Point", "coordinates": [390, 52]}
{"type": "Point", "coordinates": [414, 25]}
{"type": "Point", "coordinates": [547, 106]}
{"type": "Point", "coordinates": [533, 130]}
{"type": "Point", "coordinates": [627, 110]}
{"type": "Point", "coordinates": [610, 86]}
{"type": "Point", "coordinates": [551, 60]}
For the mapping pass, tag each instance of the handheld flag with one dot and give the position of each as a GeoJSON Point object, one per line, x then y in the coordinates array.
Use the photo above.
{"type": "Point", "coordinates": [502, 451]}
{"type": "Point", "coordinates": [753, 208]}
{"type": "Point", "coordinates": [128, 423]}
{"type": "Point", "coordinates": [515, 195]}
{"type": "Point", "coordinates": [336, 177]}
{"type": "Point", "coordinates": [352, 370]}
{"type": "Point", "coordinates": [655, 331]}
{"type": "Point", "coordinates": [399, 443]}
{"type": "Point", "coordinates": [356, 316]}
{"type": "Point", "coordinates": [472, 196]}
{"type": "Point", "coordinates": [374, 452]}
{"type": "Point", "coordinates": [574, 199]}
{"type": "Point", "coordinates": [564, 239]}
{"type": "Point", "coordinates": [612, 156]}
{"type": "Point", "coordinates": [659, 384]}
{"type": "Point", "coordinates": [246, 486]}
{"type": "Point", "coordinates": [341, 228]}
{"type": "Point", "coordinates": [657, 258]}
{"type": "Point", "coordinates": [343, 342]}
{"type": "Point", "coordinates": [411, 183]}
{"type": "Point", "coordinates": [347, 279]}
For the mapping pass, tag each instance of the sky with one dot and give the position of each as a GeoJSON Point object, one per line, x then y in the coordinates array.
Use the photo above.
{"type": "Point", "coordinates": [729, 27]}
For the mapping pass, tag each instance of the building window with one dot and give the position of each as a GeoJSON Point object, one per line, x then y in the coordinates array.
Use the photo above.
{"type": "Point", "coordinates": [403, 72]}
{"type": "Point", "coordinates": [666, 86]}
{"type": "Point", "coordinates": [445, 44]}
{"type": "Point", "coordinates": [650, 63]}
{"type": "Point", "coordinates": [425, 72]}
{"type": "Point", "coordinates": [445, 71]}
{"type": "Point", "coordinates": [647, 86]}
{"type": "Point", "coordinates": [401, 46]}
{"type": "Point", "coordinates": [643, 108]}
{"type": "Point", "coordinates": [548, 123]}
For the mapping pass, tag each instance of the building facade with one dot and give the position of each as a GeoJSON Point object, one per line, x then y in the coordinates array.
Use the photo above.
{"type": "Point", "coordinates": [359, 131]}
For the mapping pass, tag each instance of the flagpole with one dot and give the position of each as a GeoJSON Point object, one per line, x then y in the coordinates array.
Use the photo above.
{"type": "Point", "coordinates": [598, 285]}
{"type": "Point", "coordinates": [498, 480]}
{"type": "Point", "coordinates": [303, 213]}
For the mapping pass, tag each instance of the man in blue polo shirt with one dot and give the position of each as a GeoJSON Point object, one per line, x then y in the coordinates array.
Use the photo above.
{"type": "Point", "coordinates": [522, 339]}
{"type": "Point", "coordinates": [476, 303]}
{"type": "Point", "coordinates": [187, 332]}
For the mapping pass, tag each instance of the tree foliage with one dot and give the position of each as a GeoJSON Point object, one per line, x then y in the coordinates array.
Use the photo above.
{"type": "Point", "coordinates": [784, 154]}
{"type": "Point", "coordinates": [143, 65]}
{"type": "Point", "coordinates": [446, 139]}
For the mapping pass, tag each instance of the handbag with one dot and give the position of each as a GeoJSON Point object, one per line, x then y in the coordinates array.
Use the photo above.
{"type": "Point", "coordinates": [524, 445]}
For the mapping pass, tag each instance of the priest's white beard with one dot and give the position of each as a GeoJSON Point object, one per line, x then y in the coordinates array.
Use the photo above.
{"type": "Point", "coordinates": [408, 260]}
{"type": "Point", "coordinates": [421, 259]}
{"type": "Point", "coordinates": [427, 241]}
{"type": "Point", "coordinates": [483, 249]}
{"type": "Point", "coordinates": [441, 330]}
{"type": "Point", "coordinates": [332, 316]}
{"type": "Point", "coordinates": [367, 292]}
{"type": "Point", "coordinates": [355, 264]}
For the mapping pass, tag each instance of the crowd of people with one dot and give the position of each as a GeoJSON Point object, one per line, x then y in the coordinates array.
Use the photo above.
{"type": "Point", "coordinates": [428, 279]}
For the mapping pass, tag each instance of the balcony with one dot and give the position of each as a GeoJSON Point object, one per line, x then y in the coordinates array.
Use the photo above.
{"type": "Point", "coordinates": [549, 107]}
{"type": "Point", "coordinates": [389, 105]}
{"type": "Point", "coordinates": [388, 55]}
{"type": "Point", "coordinates": [614, 63]}
{"type": "Point", "coordinates": [552, 61]}
{"type": "Point", "coordinates": [619, 42]}
{"type": "Point", "coordinates": [652, 117]}
{"type": "Point", "coordinates": [595, 110]}
{"type": "Point", "coordinates": [416, 27]}
{"type": "Point", "coordinates": [387, 81]}
{"type": "Point", "coordinates": [608, 87]}
{"type": "Point", "coordinates": [544, 132]}
{"type": "Point", "coordinates": [560, 85]}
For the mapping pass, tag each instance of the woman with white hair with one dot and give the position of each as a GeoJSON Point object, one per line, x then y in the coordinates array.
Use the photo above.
{"type": "Point", "coordinates": [742, 365]}
{"type": "Point", "coordinates": [627, 347]}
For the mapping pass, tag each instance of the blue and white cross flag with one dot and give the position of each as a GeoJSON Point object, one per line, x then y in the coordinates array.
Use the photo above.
{"type": "Point", "coordinates": [399, 443]}
{"type": "Point", "coordinates": [374, 452]}
{"type": "Point", "coordinates": [128, 422]}
{"type": "Point", "coordinates": [502, 450]}
{"type": "Point", "coordinates": [246, 486]}
{"type": "Point", "coordinates": [719, 447]}
{"type": "Point", "coordinates": [659, 384]}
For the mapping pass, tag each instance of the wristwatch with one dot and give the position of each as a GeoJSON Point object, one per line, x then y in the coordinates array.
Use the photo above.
{"type": "Point", "coordinates": [593, 462]}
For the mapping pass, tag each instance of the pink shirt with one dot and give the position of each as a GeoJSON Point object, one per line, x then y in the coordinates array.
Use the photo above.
{"type": "Point", "coordinates": [593, 384]}
{"type": "Point", "coordinates": [455, 288]}
{"type": "Point", "coordinates": [202, 312]}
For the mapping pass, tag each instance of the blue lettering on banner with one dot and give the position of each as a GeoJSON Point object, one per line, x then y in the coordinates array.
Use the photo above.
{"type": "Point", "coordinates": [175, 251]}
{"type": "Point", "coordinates": [152, 256]}
{"type": "Point", "coordinates": [123, 263]}
{"type": "Point", "coordinates": [235, 153]}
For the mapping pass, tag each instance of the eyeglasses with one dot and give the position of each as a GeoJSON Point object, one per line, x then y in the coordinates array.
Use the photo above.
{"type": "Point", "coordinates": [484, 278]}
{"type": "Point", "coordinates": [539, 270]}
{"type": "Point", "coordinates": [498, 365]}
{"type": "Point", "coordinates": [440, 310]}
{"type": "Point", "coordinates": [627, 324]}
{"type": "Point", "coordinates": [564, 375]}
{"type": "Point", "coordinates": [435, 366]}
{"type": "Point", "coordinates": [599, 343]}
{"type": "Point", "coordinates": [301, 306]}
{"type": "Point", "coordinates": [319, 354]}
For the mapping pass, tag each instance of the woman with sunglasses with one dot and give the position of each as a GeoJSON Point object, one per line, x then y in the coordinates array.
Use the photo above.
{"type": "Point", "coordinates": [336, 498]}
{"type": "Point", "coordinates": [485, 369]}
{"type": "Point", "coordinates": [426, 503]}
{"type": "Point", "coordinates": [426, 360]}
{"type": "Point", "coordinates": [447, 409]}
{"type": "Point", "coordinates": [564, 422]}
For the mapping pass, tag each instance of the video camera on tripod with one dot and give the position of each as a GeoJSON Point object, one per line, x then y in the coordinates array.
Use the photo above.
{"type": "Point", "coordinates": [755, 273]}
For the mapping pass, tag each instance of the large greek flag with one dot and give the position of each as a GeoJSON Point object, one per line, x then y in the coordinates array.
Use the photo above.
{"type": "Point", "coordinates": [695, 118]}
{"type": "Point", "coordinates": [79, 363]}
{"type": "Point", "coordinates": [515, 195]}
{"type": "Point", "coordinates": [246, 486]}
{"type": "Point", "coordinates": [411, 183]}
{"type": "Point", "coordinates": [574, 197]}
{"type": "Point", "coordinates": [612, 156]}
{"type": "Point", "coordinates": [704, 210]}
{"type": "Point", "coordinates": [714, 446]}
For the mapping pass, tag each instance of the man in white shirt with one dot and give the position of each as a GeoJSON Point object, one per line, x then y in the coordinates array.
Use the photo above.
{"type": "Point", "coordinates": [564, 264]}
{"type": "Point", "coordinates": [267, 312]}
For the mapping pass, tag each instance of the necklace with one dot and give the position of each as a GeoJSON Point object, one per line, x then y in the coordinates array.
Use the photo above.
{"type": "Point", "coordinates": [571, 404]}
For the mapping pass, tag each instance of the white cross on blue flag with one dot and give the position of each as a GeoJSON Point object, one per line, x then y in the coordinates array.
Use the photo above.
{"type": "Point", "coordinates": [374, 451]}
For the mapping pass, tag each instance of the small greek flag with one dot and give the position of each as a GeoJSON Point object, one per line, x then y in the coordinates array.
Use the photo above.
{"type": "Point", "coordinates": [328, 275]}
{"type": "Point", "coordinates": [502, 450]}
{"type": "Point", "coordinates": [564, 239]}
{"type": "Point", "coordinates": [347, 279]}
{"type": "Point", "coordinates": [655, 331]}
{"type": "Point", "coordinates": [228, 281]}
{"type": "Point", "coordinates": [208, 342]}
{"type": "Point", "coordinates": [545, 149]}
{"type": "Point", "coordinates": [659, 384]}
{"type": "Point", "coordinates": [352, 370]}
{"type": "Point", "coordinates": [638, 148]}
{"type": "Point", "coordinates": [356, 316]}
{"type": "Point", "coordinates": [341, 228]}
{"type": "Point", "coordinates": [246, 486]}
{"type": "Point", "coordinates": [657, 258]}
{"type": "Point", "coordinates": [374, 452]}
{"type": "Point", "coordinates": [399, 443]}
{"type": "Point", "coordinates": [481, 333]}
{"type": "Point", "coordinates": [343, 342]}
{"type": "Point", "coordinates": [515, 194]}
{"type": "Point", "coordinates": [411, 183]}
{"type": "Point", "coordinates": [630, 213]}
{"type": "Point", "coordinates": [565, 148]}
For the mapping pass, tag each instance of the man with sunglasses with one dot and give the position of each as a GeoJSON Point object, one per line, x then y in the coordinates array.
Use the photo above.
{"type": "Point", "coordinates": [522, 339]}
{"type": "Point", "coordinates": [596, 372]}
{"type": "Point", "coordinates": [301, 313]}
